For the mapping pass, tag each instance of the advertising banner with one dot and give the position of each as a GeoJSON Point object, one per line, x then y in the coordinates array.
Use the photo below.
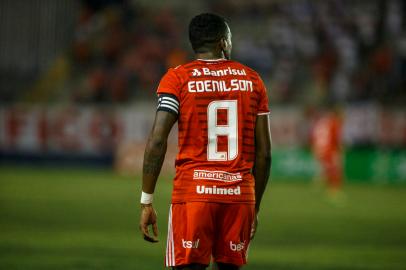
{"type": "Point", "coordinates": [372, 136]}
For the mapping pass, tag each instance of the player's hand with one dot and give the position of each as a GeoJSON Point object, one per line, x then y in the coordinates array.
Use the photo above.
{"type": "Point", "coordinates": [148, 217]}
{"type": "Point", "coordinates": [254, 226]}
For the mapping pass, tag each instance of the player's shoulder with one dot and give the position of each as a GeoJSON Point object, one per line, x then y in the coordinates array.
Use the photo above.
{"type": "Point", "coordinates": [176, 70]}
{"type": "Point", "coordinates": [178, 73]}
{"type": "Point", "coordinates": [185, 67]}
{"type": "Point", "coordinates": [181, 71]}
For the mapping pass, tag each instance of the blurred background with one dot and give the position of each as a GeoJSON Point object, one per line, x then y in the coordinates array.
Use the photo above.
{"type": "Point", "coordinates": [77, 100]}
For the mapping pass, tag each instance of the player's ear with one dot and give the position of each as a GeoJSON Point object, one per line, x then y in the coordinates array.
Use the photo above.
{"type": "Point", "coordinates": [223, 44]}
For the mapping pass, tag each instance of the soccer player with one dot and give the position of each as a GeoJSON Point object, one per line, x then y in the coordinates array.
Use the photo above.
{"type": "Point", "coordinates": [224, 156]}
{"type": "Point", "coordinates": [327, 150]}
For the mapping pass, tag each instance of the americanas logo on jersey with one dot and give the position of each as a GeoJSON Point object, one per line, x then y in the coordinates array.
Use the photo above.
{"type": "Point", "coordinates": [218, 73]}
{"type": "Point", "coordinates": [217, 176]}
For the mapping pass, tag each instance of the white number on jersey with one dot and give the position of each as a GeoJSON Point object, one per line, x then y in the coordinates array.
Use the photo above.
{"type": "Point", "coordinates": [230, 130]}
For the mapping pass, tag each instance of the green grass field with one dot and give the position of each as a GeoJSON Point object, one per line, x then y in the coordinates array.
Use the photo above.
{"type": "Point", "coordinates": [88, 219]}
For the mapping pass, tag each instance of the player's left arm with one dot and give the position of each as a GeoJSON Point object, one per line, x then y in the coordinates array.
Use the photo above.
{"type": "Point", "coordinates": [262, 164]}
{"type": "Point", "coordinates": [263, 153]}
{"type": "Point", "coordinates": [153, 159]}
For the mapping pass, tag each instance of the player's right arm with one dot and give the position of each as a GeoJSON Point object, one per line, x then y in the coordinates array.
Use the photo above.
{"type": "Point", "coordinates": [165, 118]}
{"type": "Point", "coordinates": [263, 159]}
{"type": "Point", "coordinates": [153, 159]}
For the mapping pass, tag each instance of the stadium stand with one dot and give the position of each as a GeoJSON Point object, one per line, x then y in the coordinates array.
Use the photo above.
{"type": "Point", "coordinates": [308, 52]}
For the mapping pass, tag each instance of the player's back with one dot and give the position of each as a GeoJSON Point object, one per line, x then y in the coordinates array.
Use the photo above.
{"type": "Point", "coordinates": [218, 102]}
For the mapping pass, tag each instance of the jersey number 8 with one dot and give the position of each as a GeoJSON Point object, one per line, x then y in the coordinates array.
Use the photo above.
{"type": "Point", "coordinates": [214, 130]}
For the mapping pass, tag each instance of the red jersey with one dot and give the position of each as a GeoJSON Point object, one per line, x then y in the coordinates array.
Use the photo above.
{"type": "Point", "coordinates": [217, 102]}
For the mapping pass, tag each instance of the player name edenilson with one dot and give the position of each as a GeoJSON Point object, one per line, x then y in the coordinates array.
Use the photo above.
{"type": "Point", "coordinates": [199, 86]}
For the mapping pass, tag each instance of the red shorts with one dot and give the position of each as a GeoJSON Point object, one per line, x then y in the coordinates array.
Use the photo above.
{"type": "Point", "coordinates": [199, 231]}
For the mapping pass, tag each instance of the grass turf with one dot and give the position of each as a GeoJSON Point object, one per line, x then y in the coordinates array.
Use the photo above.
{"type": "Point", "coordinates": [88, 219]}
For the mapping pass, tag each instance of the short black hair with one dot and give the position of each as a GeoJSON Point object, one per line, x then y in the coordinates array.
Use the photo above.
{"type": "Point", "coordinates": [205, 30]}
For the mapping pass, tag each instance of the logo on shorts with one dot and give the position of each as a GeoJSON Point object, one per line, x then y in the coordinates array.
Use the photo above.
{"type": "Point", "coordinates": [218, 191]}
{"type": "Point", "coordinates": [190, 244]}
{"type": "Point", "coordinates": [237, 247]}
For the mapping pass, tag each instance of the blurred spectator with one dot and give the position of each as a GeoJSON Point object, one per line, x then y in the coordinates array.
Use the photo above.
{"type": "Point", "coordinates": [327, 147]}
{"type": "Point", "coordinates": [308, 52]}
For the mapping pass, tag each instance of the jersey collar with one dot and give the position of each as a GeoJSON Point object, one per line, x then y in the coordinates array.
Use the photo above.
{"type": "Point", "coordinates": [212, 60]}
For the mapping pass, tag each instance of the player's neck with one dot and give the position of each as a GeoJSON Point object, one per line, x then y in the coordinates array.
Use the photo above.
{"type": "Point", "coordinates": [209, 56]}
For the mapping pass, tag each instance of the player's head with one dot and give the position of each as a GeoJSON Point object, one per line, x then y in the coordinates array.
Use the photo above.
{"type": "Point", "coordinates": [210, 33]}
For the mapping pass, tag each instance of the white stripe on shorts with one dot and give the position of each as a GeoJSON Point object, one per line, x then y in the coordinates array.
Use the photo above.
{"type": "Point", "coordinates": [170, 251]}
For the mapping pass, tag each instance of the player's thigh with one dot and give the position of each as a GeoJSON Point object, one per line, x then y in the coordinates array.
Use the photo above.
{"type": "Point", "coordinates": [233, 229]}
{"type": "Point", "coordinates": [190, 234]}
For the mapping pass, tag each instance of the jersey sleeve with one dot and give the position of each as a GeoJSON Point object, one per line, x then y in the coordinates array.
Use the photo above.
{"type": "Point", "coordinates": [263, 107]}
{"type": "Point", "coordinates": [169, 92]}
